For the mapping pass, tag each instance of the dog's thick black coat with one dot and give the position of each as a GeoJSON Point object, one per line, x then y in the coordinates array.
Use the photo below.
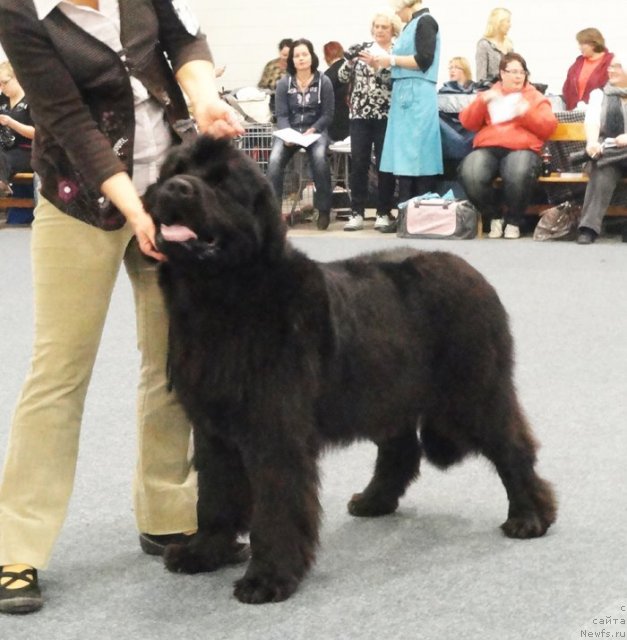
{"type": "Point", "coordinates": [275, 356]}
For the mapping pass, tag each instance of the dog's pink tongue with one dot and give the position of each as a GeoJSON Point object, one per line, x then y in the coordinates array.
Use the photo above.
{"type": "Point", "coordinates": [177, 233]}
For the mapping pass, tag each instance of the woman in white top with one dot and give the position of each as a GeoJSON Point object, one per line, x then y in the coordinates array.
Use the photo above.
{"type": "Point", "coordinates": [606, 124]}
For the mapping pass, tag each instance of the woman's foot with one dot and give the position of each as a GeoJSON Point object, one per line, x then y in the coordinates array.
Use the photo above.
{"type": "Point", "coordinates": [586, 235]}
{"type": "Point", "coordinates": [154, 545]}
{"type": "Point", "coordinates": [496, 228]}
{"type": "Point", "coordinates": [19, 589]}
{"type": "Point", "coordinates": [324, 217]}
{"type": "Point", "coordinates": [512, 232]}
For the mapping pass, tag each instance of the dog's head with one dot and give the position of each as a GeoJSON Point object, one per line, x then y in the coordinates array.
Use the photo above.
{"type": "Point", "coordinates": [213, 206]}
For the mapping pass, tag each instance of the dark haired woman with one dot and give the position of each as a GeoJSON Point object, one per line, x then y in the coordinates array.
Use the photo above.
{"type": "Point", "coordinates": [304, 102]}
{"type": "Point", "coordinates": [589, 71]}
{"type": "Point", "coordinates": [512, 120]}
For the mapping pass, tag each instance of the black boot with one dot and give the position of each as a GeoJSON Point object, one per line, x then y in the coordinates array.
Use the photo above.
{"type": "Point", "coordinates": [324, 217]}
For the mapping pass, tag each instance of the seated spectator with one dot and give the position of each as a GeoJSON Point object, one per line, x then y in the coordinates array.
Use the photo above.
{"type": "Point", "coordinates": [334, 57]}
{"type": "Point", "coordinates": [512, 121]}
{"type": "Point", "coordinates": [16, 129]}
{"type": "Point", "coordinates": [304, 102]}
{"type": "Point", "coordinates": [459, 77]}
{"type": "Point", "coordinates": [493, 46]}
{"type": "Point", "coordinates": [589, 71]}
{"type": "Point", "coordinates": [456, 141]}
{"type": "Point", "coordinates": [606, 118]}
{"type": "Point", "coordinates": [275, 69]}
{"type": "Point", "coordinates": [370, 91]}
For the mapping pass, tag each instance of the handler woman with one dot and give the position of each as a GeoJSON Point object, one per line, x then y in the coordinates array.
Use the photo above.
{"type": "Point", "coordinates": [107, 108]}
{"type": "Point", "coordinates": [412, 149]}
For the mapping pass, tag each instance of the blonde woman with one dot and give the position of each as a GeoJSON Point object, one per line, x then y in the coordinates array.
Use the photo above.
{"type": "Point", "coordinates": [369, 100]}
{"type": "Point", "coordinates": [459, 77]}
{"type": "Point", "coordinates": [494, 45]}
{"type": "Point", "coordinates": [456, 141]}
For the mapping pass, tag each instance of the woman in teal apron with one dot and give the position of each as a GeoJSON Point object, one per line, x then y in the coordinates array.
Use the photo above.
{"type": "Point", "coordinates": [412, 149]}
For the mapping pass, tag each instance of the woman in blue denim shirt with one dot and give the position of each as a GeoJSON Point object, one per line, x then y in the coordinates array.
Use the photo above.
{"type": "Point", "coordinates": [304, 102]}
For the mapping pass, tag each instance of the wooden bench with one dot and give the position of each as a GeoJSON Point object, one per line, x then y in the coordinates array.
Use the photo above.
{"type": "Point", "coordinates": [571, 132]}
{"type": "Point", "coordinates": [6, 202]}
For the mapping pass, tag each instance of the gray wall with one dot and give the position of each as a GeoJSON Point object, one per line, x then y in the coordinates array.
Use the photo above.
{"type": "Point", "coordinates": [243, 35]}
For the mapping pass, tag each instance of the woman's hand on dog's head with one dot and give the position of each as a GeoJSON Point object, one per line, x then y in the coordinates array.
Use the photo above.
{"type": "Point", "coordinates": [218, 119]}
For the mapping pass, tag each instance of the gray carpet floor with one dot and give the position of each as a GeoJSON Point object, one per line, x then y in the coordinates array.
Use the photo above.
{"type": "Point", "coordinates": [439, 567]}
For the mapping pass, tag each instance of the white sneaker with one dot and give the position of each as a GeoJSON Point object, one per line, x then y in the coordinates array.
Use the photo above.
{"type": "Point", "coordinates": [512, 232]}
{"type": "Point", "coordinates": [382, 221]}
{"type": "Point", "coordinates": [496, 228]}
{"type": "Point", "coordinates": [355, 223]}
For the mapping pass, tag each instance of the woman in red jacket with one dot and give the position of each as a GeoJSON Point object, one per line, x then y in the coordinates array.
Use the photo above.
{"type": "Point", "coordinates": [512, 121]}
{"type": "Point", "coordinates": [589, 71]}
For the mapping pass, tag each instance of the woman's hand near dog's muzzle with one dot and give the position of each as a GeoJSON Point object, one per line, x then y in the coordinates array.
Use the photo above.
{"type": "Point", "coordinates": [121, 191]}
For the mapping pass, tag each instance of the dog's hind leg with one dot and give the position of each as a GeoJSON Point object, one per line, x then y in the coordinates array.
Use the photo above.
{"type": "Point", "coordinates": [224, 507]}
{"type": "Point", "coordinates": [398, 464]}
{"type": "Point", "coordinates": [512, 449]}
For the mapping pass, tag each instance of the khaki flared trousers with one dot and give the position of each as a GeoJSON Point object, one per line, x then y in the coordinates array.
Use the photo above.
{"type": "Point", "coordinates": [75, 267]}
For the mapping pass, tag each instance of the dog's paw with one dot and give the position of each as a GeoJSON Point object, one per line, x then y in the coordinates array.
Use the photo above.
{"type": "Point", "coordinates": [531, 526]}
{"type": "Point", "coordinates": [364, 506]}
{"type": "Point", "coordinates": [191, 558]}
{"type": "Point", "coordinates": [178, 559]}
{"type": "Point", "coordinates": [259, 589]}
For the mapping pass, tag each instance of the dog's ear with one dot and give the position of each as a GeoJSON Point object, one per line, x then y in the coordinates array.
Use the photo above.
{"type": "Point", "coordinates": [176, 161]}
{"type": "Point", "coordinates": [212, 154]}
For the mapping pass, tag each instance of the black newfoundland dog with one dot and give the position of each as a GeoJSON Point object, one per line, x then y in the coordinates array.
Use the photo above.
{"type": "Point", "coordinates": [275, 357]}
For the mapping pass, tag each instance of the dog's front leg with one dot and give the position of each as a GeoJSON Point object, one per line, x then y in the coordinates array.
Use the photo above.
{"type": "Point", "coordinates": [224, 508]}
{"type": "Point", "coordinates": [286, 513]}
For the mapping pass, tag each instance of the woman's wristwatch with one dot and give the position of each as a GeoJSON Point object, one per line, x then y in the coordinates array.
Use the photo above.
{"type": "Point", "coordinates": [392, 61]}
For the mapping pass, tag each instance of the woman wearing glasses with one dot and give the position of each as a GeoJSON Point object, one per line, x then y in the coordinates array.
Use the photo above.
{"type": "Point", "coordinates": [456, 141]}
{"type": "Point", "coordinates": [16, 129]}
{"type": "Point", "coordinates": [512, 121]}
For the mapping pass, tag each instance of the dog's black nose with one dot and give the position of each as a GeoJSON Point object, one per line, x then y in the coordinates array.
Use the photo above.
{"type": "Point", "coordinates": [179, 187]}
